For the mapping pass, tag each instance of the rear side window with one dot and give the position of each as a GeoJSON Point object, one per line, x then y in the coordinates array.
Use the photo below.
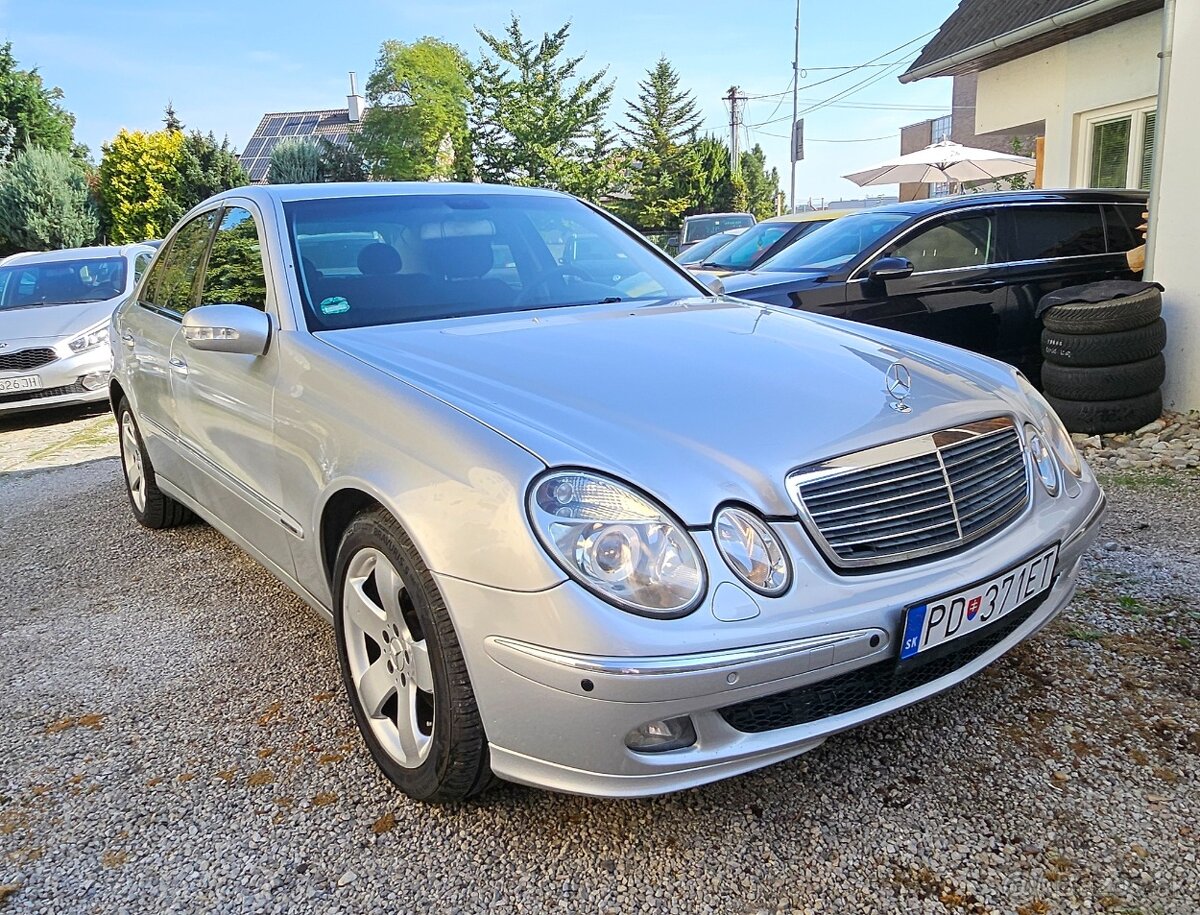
{"type": "Point", "coordinates": [1046, 232]}
{"type": "Point", "coordinates": [234, 275]}
{"type": "Point", "coordinates": [171, 284]}
{"type": "Point", "coordinates": [1122, 221]}
{"type": "Point", "coordinates": [966, 241]}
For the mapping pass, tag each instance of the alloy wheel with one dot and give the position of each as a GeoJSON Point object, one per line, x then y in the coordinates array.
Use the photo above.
{"type": "Point", "coordinates": [131, 455]}
{"type": "Point", "coordinates": [388, 657]}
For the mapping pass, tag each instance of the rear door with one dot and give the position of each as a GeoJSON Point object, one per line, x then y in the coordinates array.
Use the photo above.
{"type": "Point", "coordinates": [225, 400]}
{"type": "Point", "coordinates": [148, 335]}
{"type": "Point", "coordinates": [1052, 246]}
{"type": "Point", "coordinates": [955, 293]}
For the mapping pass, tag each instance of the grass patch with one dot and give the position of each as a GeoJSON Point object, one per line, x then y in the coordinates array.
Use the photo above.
{"type": "Point", "coordinates": [1145, 480]}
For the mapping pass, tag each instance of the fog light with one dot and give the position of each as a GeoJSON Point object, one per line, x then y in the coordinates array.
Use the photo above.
{"type": "Point", "coordinates": [660, 736]}
{"type": "Point", "coordinates": [94, 381]}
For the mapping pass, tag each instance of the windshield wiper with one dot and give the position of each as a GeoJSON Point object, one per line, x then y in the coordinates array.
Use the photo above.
{"type": "Point", "coordinates": [608, 300]}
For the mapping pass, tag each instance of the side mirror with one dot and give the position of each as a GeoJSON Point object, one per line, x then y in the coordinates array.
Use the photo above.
{"type": "Point", "coordinates": [711, 281]}
{"type": "Point", "coordinates": [673, 241]}
{"type": "Point", "coordinates": [227, 329]}
{"type": "Point", "coordinates": [891, 268]}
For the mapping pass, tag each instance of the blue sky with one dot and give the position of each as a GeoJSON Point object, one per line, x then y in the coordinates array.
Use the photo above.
{"type": "Point", "coordinates": [223, 64]}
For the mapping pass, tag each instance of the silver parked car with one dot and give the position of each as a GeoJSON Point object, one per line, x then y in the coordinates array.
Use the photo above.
{"type": "Point", "coordinates": [615, 537]}
{"type": "Point", "coordinates": [55, 308]}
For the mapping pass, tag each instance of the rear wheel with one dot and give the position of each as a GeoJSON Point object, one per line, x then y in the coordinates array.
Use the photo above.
{"type": "Point", "coordinates": [402, 666]}
{"type": "Point", "coordinates": [151, 506]}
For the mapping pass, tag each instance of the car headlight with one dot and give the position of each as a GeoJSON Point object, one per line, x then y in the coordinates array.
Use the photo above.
{"type": "Point", "coordinates": [752, 551]}
{"type": "Point", "coordinates": [617, 543]}
{"type": "Point", "coordinates": [1043, 460]}
{"type": "Point", "coordinates": [1052, 428]}
{"type": "Point", "coordinates": [90, 339]}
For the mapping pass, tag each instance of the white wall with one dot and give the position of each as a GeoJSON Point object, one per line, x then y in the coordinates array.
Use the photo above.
{"type": "Point", "coordinates": [1173, 212]}
{"type": "Point", "coordinates": [1114, 66]}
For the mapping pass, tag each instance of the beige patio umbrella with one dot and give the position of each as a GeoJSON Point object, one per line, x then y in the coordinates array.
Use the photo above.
{"type": "Point", "coordinates": [945, 162]}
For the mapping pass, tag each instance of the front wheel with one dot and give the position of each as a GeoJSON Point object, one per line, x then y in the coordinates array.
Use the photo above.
{"type": "Point", "coordinates": [402, 666]}
{"type": "Point", "coordinates": [151, 506]}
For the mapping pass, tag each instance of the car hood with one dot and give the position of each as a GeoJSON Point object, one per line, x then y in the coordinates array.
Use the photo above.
{"type": "Point", "coordinates": [52, 321]}
{"type": "Point", "coordinates": [762, 279]}
{"type": "Point", "coordinates": [698, 402]}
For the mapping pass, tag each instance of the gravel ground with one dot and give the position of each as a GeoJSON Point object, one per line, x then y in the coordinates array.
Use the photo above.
{"type": "Point", "coordinates": [173, 739]}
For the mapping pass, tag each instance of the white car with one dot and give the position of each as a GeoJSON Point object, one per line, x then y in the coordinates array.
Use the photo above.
{"type": "Point", "coordinates": [54, 314]}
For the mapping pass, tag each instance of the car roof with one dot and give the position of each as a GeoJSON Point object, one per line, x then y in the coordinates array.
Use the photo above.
{"type": "Point", "coordinates": [265, 193]}
{"type": "Point", "coordinates": [1002, 198]}
{"type": "Point", "coordinates": [75, 254]}
{"type": "Point", "coordinates": [811, 216]}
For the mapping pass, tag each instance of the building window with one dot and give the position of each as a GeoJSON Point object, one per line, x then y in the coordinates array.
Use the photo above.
{"type": "Point", "coordinates": [940, 128]}
{"type": "Point", "coordinates": [1121, 149]}
{"type": "Point", "coordinates": [939, 189]}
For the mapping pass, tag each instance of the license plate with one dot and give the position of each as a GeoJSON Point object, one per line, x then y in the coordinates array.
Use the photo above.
{"type": "Point", "coordinates": [20, 383]}
{"type": "Point", "coordinates": [945, 619]}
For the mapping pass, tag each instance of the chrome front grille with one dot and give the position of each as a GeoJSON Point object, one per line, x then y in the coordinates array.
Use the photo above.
{"type": "Point", "coordinates": [26, 359]}
{"type": "Point", "coordinates": [914, 498]}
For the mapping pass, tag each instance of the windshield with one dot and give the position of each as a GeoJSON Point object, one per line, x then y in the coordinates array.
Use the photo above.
{"type": "Point", "coordinates": [388, 260]}
{"type": "Point", "coordinates": [742, 253]}
{"type": "Point", "coordinates": [62, 282]}
{"type": "Point", "coordinates": [697, 228]}
{"type": "Point", "coordinates": [699, 251]}
{"type": "Point", "coordinates": [836, 243]}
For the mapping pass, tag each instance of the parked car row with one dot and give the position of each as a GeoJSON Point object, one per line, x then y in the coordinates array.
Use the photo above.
{"type": "Point", "coordinates": [567, 529]}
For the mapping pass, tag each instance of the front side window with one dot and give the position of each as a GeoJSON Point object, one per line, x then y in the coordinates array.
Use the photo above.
{"type": "Point", "coordinates": [1045, 232]}
{"type": "Point", "coordinates": [967, 241]}
{"type": "Point", "coordinates": [62, 282]}
{"type": "Point", "coordinates": [392, 259]}
{"type": "Point", "coordinates": [837, 243]}
{"type": "Point", "coordinates": [235, 275]}
{"type": "Point", "coordinates": [175, 287]}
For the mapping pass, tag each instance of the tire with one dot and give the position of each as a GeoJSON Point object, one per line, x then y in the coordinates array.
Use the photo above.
{"type": "Point", "coordinates": [1095, 416]}
{"type": "Point", "coordinates": [1114, 382]}
{"type": "Point", "coordinates": [422, 726]}
{"type": "Point", "coordinates": [150, 505]}
{"type": "Point", "coordinates": [1105, 349]}
{"type": "Point", "coordinates": [1105, 317]}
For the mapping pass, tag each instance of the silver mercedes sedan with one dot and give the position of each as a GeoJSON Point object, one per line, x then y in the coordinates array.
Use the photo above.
{"type": "Point", "coordinates": [55, 308]}
{"type": "Point", "coordinates": [613, 536]}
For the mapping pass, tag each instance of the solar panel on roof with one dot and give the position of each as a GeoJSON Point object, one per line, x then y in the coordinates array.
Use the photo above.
{"type": "Point", "coordinates": [309, 122]}
{"type": "Point", "coordinates": [271, 127]}
{"type": "Point", "coordinates": [252, 148]}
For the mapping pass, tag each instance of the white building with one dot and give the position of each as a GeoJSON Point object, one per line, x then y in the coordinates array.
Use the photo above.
{"type": "Point", "coordinates": [1115, 86]}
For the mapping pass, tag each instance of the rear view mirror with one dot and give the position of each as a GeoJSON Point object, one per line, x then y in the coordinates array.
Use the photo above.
{"type": "Point", "coordinates": [891, 268]}
{"type": "Point", "coordinates": [227, 329]}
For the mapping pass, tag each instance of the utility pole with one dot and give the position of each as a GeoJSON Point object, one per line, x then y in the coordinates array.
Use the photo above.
{"type": "Point", "coordinates": [795, 106]}
{"type": "Point", "coordinates": [735, 98]}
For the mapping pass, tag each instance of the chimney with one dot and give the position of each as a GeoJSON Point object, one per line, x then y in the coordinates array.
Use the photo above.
{"type": "Point", "coordinates": [355, 103]}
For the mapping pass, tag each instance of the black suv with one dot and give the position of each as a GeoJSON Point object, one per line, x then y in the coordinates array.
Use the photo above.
{"type": "Point", "coordinates": [967, 270]}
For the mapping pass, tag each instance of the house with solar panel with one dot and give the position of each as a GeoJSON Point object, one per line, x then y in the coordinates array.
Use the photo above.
{"type": "Point", "coordinates": [333, 124]}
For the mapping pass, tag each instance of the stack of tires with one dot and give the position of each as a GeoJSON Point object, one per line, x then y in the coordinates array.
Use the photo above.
{"type": "Point", "coordinates": [1102, 345]}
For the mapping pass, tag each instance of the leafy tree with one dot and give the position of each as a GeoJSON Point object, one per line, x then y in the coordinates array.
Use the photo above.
{"type": "Point", "coordinates": [206, 168]}
{"type": "Point", "coordinates": [32, 110]}
{"type": "Point", "coordinates": [296, 160]}
{"type": "Point", "coordinates": [138, 184]}
{"type": "Point", "coordinates": [714, 188]}
{"type": "Point", "coordinates": [661, 125]}
{"type": "Point", "coordinates": [171, 120]}
{"type": "Point", "coordinates": [534, 117]}
{"type": "Point", "coordinates": [45, 202]}
{"type": "Point", "coordinates": [342, 162]}
{"type": "Point", "coordinates": [419, 95]}
{"type": "Point", "coordinates": [762, 186]}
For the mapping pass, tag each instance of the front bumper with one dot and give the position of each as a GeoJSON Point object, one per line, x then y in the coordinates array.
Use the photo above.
{"type": "Point", "coordinates": [62, 382]}
{"type": "Point", "coordinates": [558, 719]}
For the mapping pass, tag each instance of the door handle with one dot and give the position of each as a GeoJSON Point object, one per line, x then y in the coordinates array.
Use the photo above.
{"type": "Point", "coordinates": [985, 285]}
{"type": "Point", "coordinates": [127, 339]}
{"type": "Point", "coordinates": [178, 365]}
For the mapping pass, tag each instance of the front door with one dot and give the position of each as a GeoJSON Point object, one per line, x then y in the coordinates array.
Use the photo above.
{"type": "Point", "coordinates": [224, 400]}
{"type": "Point", "coordinates": [147, 333]}
{"type": "Point", "coordinates": [955, 293]}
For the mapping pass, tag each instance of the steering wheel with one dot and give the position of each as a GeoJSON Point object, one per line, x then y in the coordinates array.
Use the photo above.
{"type": "Point", "coordinates": [545, 276]}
